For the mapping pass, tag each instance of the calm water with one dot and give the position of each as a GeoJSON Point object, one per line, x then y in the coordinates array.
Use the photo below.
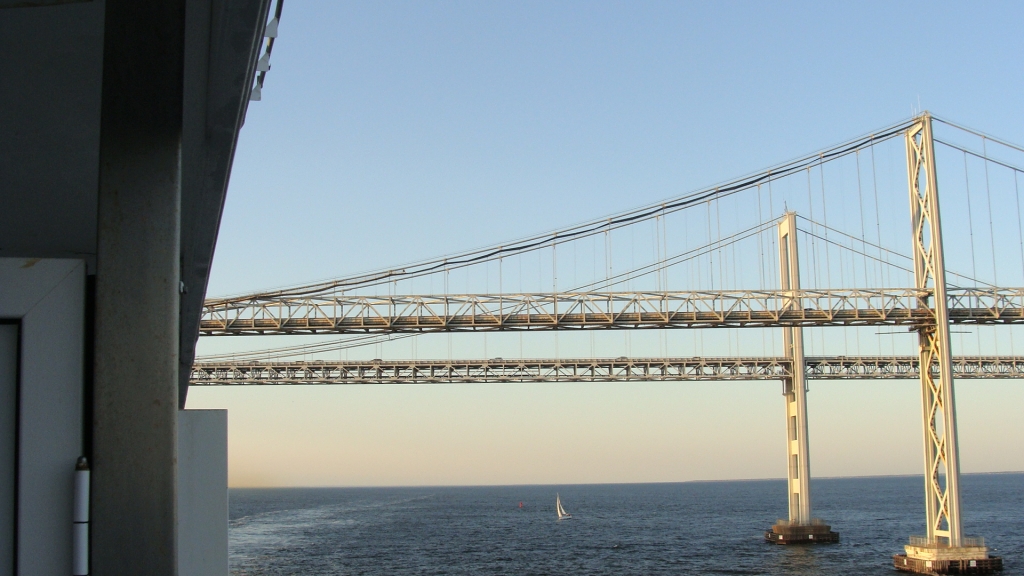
{"type": "Point", "coordinates": [687, 528]}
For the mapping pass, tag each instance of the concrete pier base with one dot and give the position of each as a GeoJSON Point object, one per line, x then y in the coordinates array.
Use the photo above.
{"type": "Point", "coordinates": [784, 532]}
{"type": "Point", "coordinates": [922, 557]}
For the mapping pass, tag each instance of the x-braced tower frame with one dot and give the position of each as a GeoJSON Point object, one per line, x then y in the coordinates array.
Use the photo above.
{"type": "Point", "coordinates": [941, 454]}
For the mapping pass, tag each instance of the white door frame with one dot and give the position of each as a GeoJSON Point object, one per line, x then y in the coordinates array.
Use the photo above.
{"type": "Point", "coordinates": [47, 297]}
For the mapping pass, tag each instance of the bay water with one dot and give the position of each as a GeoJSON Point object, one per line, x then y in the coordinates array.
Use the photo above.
{"type": "Point", "coordinates": [627, 529]}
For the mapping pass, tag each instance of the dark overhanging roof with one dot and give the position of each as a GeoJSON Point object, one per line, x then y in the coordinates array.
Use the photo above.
{"type": "Point", "coordinates": [222, 43]}
{"type": "Point", "coordinates": [51, 54]}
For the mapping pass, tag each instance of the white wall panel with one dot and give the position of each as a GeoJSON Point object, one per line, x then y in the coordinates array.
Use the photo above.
{"type": "Point", "coordinates": [202, 492]}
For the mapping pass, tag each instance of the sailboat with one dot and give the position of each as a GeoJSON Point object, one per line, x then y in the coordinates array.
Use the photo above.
{"type": "Point", "coordinates": [562, 514]}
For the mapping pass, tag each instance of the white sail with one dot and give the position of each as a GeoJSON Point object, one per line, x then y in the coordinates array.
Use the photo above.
{"type": "Point", "coordinates": [558, 508]}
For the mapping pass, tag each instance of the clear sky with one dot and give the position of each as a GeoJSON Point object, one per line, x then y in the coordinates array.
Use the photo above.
{"type": "Point", "coordinates": [391, 132]}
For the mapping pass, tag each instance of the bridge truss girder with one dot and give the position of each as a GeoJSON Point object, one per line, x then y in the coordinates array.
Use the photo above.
{"type": "Point", "coordinates": [608, 310]}
{"type": "Point", "coordinates": [496, 370]}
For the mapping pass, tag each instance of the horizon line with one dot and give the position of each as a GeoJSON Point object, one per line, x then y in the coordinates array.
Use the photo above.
{"type": "Point", "coordinates": [780, 478]}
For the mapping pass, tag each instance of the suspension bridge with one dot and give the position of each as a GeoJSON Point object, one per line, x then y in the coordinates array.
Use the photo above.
{"type": "Point", "coordinates": [877, 299]}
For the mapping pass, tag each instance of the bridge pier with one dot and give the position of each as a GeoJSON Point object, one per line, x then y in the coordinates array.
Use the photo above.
{"type": "Point", "coordinates": [944, 549]}
{"type": "Point", "coordinates": [800, 528]}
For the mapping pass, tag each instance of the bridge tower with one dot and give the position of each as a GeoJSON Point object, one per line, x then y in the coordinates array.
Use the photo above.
{"type": "Point", "coordinates": [801, 527]}
{"type": "Point", "coordinates": [944, 548]}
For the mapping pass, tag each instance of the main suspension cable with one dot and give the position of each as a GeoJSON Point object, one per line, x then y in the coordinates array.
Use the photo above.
{"type": "Point", "coordinates": [585, 229]}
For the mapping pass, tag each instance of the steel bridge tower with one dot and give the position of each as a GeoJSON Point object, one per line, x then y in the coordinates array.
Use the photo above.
{"type": "Point", "coordinates": [794, 388]}
{"type": "Point", "coordinates": [801, 527]}
{"type": "Point", "coordinates": [944, 548]}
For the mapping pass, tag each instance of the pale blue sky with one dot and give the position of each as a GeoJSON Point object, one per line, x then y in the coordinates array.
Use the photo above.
{"type": "Point", "coordinates": [391, 132]}
{"type": "Point", "coordinates": [383, 125]}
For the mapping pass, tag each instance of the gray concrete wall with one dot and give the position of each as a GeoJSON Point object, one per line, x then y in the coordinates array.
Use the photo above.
{"type": "Point", "coordinates": [202, 492]}
{"type": "Point", "coordinates": [51, 57]}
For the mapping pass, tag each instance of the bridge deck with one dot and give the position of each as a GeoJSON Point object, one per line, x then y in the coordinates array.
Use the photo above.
{"type": "Point", "coordinates": [587, 370]}
{"type": "Point", "coordinates": [605, 310]}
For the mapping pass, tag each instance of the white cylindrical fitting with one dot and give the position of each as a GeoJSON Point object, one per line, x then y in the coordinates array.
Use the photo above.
{"type": "Point", "coordinates": [81, 491]}
{"type": "Point", "coordinates": [80, 519]}
{"type": "Point", "coordinates": [80, 558]}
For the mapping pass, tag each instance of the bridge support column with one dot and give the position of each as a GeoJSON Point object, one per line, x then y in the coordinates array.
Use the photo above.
{"type": "Point", "coordinates": [944, 548]}
{"type": "Point", "coordinates": [800, 528]}
{"type": "Point", "coordinates": [135, 392]}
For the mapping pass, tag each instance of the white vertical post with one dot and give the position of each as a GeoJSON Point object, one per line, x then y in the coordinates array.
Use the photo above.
{"type": "Point", "coordinates": [794, 388]}
{"type": "Point", "coordinates": [942, 502]}
{"type": "Point", "coordinates": [80, 520]}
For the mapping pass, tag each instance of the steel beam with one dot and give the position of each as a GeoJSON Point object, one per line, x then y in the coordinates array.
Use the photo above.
{"type": "Point", "coordinates": [497, 370]}
{"type": "Point", "coordinates": [345, 314]}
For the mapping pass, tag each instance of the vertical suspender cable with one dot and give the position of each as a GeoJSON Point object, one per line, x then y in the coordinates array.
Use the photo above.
{"type": "Point", "coordinates": [627, 337]}
{"type": "Point", "coordinates": [991, 230]}
{"type": "Point", "coordinates": [815, 260]}
{"type": "Point", "coordinates": [878, 222]}
{"type": "Point", "coordinates": [860, 206]}
{"type": "Point", "coordinates": [771, 241]}
{"type": "Point", "coordinates": [659, 262]}
{"type": "Point", "coordinates": [760, 264]}
{"type": "Point", "coordinates": [661, 269]}
{"type": "Point", "coordinates": [575, 263]}
{"type": "Point", "coordinates": [884, 274]}
{"type": "Point", "coordinates": [723, 266]}
{"type": "Point", "coordinates": [828, 261]}
{"type": "Point", "coordinates": [760, 241]}
{"type": "Point", "coordinates": [722, 280]}
{"type": "Point", "coordinates": [501, 288]}
{"type": "Point", "coordinates": [593, 254]}
{"type": "Point", "coordinates": [696, 263]}
{"type": "Point", "coordinates": [737, 285]}
{"type": "Point", "coordinates": [824, 216]}
{"type": "Point", "coordinates": [447, 312]}
{"type": "Point", "coordinates": [554, 289]}
{"type": "Point", "coordinates": [711, 254]}
{"type": "Point", "coordinates": [1020, 229]}
{"type": "Point", "coordinates": [814, 245]}
{"type": "Point", "coordinates": [970, 227]}
{"type": "Point", "coordinates": [718, 234]}
{"type": "Point", "coordinates": [611, 261]}
{"type": "Point", "coordinates": [664, 240]}
{"type": "Point", "coordinates": [664, 251]}
{"type": "Point", "coordinates": [970, 220]}
{"type": "Point", "coordinates": [991, 239]}
{"type": "Point", "coordinates": [692, 270]}
{"type": "Point", "coordinates": [554, 268]}
{"type": "Point", "coordinates": [863, 239]}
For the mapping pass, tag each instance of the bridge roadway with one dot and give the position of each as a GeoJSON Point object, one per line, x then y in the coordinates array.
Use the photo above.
{"type": "Point", "coordinates": [604, 310]}
{"type": "Point", "coordinates": [587, 370]}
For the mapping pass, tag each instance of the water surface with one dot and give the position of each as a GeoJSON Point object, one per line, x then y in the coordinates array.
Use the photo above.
{"type": "Point", "coordinates": [621, 529]}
